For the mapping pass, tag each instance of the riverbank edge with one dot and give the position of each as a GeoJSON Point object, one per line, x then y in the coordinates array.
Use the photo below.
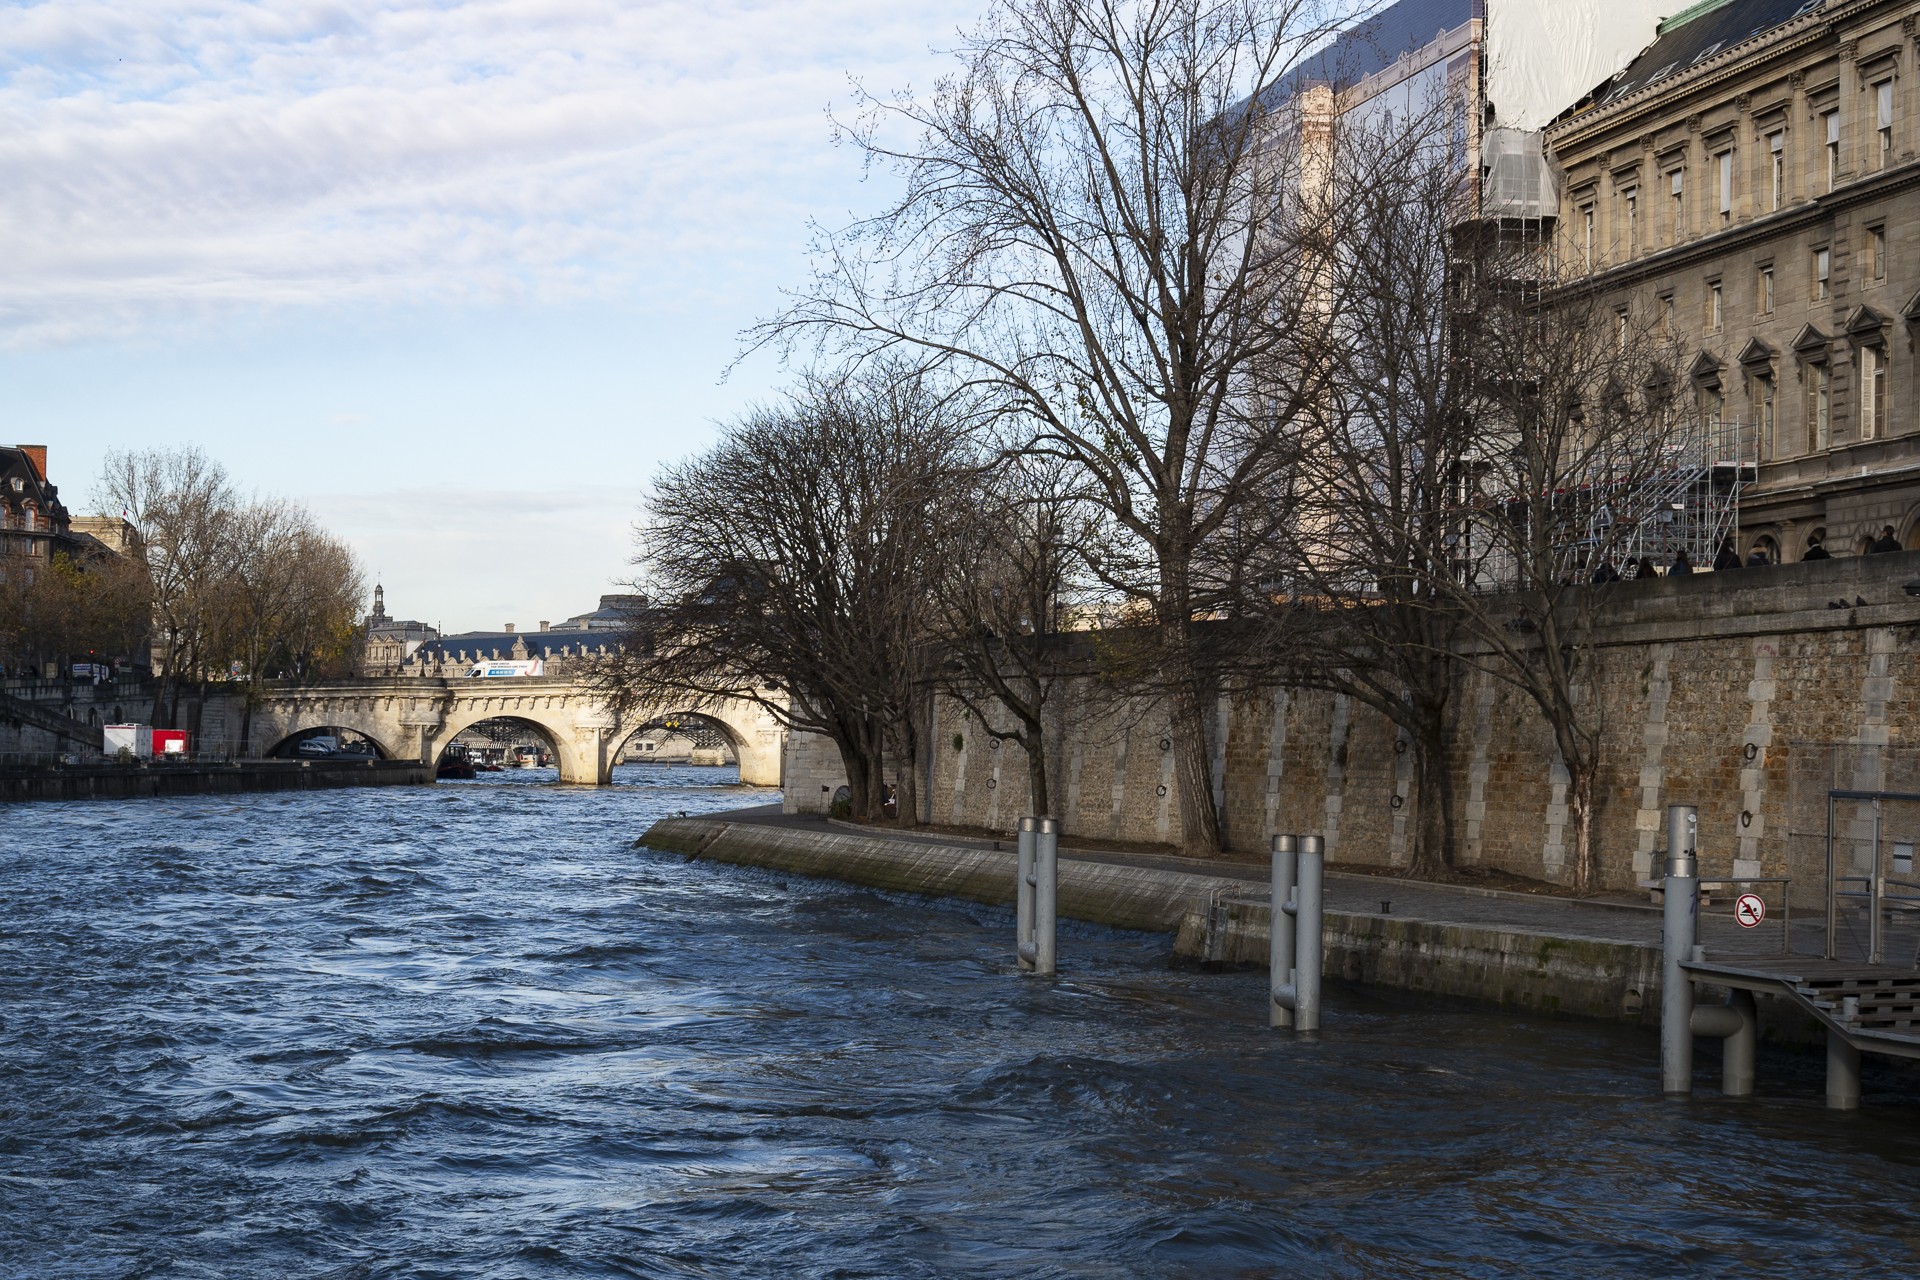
{"type": "Point", "coordinates": [127, 781]}
{"type": "Point", "coordinates": [1217, 919]}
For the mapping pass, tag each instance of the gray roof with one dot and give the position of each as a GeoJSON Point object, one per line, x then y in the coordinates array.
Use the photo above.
{"type": "Point", "coordinates": [1687, 40]}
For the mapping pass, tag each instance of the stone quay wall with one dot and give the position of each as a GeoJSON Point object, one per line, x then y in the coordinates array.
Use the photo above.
{"type": "Point", "coordinates": [1702, 686]}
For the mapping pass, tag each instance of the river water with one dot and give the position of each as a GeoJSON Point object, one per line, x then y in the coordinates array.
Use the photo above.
{"type": "Point", "coordinates": [471, 1031]}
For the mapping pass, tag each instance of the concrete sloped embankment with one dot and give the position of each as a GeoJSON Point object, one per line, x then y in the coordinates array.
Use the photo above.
{"type": "Point", "coordinates": [1125, 897]}
{"type": "Point", "coordinates": [1218, 918]}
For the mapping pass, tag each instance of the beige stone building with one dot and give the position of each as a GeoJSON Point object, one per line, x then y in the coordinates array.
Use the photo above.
{"type": "Point", "coordinates": [1750, 184]}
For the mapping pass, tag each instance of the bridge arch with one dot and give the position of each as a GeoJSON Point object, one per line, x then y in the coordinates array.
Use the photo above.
{"type": "Point", "coordinates": [287, 740]}
{"type": "Point", "coordinates": [755, 740]}
{"type": "Point", "coordinates": [578, 754]}
{"type": "Point", "coordinates": [706, 733]}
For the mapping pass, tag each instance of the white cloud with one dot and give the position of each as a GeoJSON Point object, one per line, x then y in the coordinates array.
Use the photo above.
{"type": "Point", "coordinates": [164, 161]}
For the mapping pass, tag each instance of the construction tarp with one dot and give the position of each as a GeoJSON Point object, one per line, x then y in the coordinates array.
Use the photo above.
{"type": "Point", "coordinates": [1545, 55]}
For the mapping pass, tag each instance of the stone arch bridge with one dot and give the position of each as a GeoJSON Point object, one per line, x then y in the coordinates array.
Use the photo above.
{"type": "Point", "coordinates": [415, 717]}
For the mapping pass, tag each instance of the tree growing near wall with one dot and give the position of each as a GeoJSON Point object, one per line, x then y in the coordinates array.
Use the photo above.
{"type": "Point", "coordinates": [1584, 446]}
{"type": "Point", "coordinates": [248, 585]}
{"type": "Point", "coordinates": [1013, 586]}
{"type": "Point", "coordinates": [1102, 223]}
{"type": "Point", "coordinates": [1378, 517]}
{"type": "Point", "coordinates": [179, 501]}
{"type": "Point", "coordinates": [287, 600]}
{"type": "Point", "coordinates": [74, 607]}
{"type": "Point", "coordinates": [791, 565]}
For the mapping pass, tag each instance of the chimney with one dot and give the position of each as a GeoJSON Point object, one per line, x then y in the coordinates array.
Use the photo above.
{"type": "Point", "coordinates": [37, 456]}
{"type": "Point", "coordinates": [509, 628]}
{"type": "Point", "coordinates": [543, 624]}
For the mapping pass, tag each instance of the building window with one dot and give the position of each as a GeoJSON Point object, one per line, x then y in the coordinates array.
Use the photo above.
{"type": "Point", "coordinates": [1883, 106]}
{"type": "Point", "coordinates": [1822, 274]}
{"type": "Point", "coordinates": [1666, 315]}
{"type": "Point", "coordinates": [1877, 252]}
{"type": "Point", "coordinates": [1819, 404]}
{"type": "Point", "coordinates": [1586, 223]}
{"type": "Point", "coordinates": [1777, 144]}
{"type": "Point", "coordinates": [1873, 392]}
{"type": "Point", "coordinates": [1763, 289]}
{"type": "Point", "coordinates": [1630, 218]}
{"type": "Point", "coordinates": [1677, 181]}
{"type": "Point", "coordinates": [1763, 416]}
{"type": "Point", "coordinates": [1725, 161]}
{"type": "Point", "coordinates": [1619, 329]}
{"type": "Point", "coordinates": [1714, 311]}
{"type": "Point", "coordinates": [1713, 405]}
{"type": "Point", "coordinates": [1832, 121]}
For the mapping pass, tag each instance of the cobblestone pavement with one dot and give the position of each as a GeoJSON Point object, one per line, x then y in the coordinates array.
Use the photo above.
{"type": "Point", "coordinates": [1611, 920]}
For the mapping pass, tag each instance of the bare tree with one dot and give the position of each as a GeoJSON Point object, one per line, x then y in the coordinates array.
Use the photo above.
{"type": "Point", "coordinates": [288, 597]}
{"type": "Point", "coordinates": [1583, 448]}
{"type": "Point", "coordinates": [1013, 581]}
{"type": "Point", "coordinates": [790, 566]}
{"type": "Point", "coordinates": [1378, 510]}
{"type": "Point", "coordinates": [180, 502]}
{"type": "Point", "coordinates": [1103, 223]}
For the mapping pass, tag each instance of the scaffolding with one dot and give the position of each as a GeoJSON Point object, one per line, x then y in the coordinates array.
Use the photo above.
{"type": "Point", "coordinates": [1685, 498]}
{"type": "Point", "coordinates": [1693, 502]}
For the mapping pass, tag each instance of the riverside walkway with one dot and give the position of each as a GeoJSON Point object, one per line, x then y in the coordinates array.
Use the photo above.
{"type": "Point", "coordinates": [1609, 918]}
{"type": "Point", "coordinates": [1590, 958]}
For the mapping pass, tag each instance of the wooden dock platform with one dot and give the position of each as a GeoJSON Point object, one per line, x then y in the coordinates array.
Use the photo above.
{"type": "Point", "coordinates": [1874, 1008]}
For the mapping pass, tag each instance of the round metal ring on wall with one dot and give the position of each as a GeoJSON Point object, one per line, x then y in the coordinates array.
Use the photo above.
{"type": "Point", "coordinates": [1753, 749]}
{"type": "Point", "coordinates": [1160, 790]}
{"type": "Point", "coordinates": [1399, 746]}
{"type": "Point", "coordinates": [1166, 744]}
{"type": "Point", "coordinates": [1746, 817]}
{"type": "Point", "coordinates": [993, 744]}
{"type": "Point", "coordinates": [992, 783]}
{"type": "Point", "coordinates": [1397, 801]}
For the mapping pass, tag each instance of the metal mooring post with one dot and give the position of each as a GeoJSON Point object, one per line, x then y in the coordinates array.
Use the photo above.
{"type": "Point", "coordinates": [1046, 898]}
{"type": "Point", "coordinates": [1023, 947]}
{"type": "Point", "coordinates": [1286, 855]}
{"type": "Point", "coordinates": [1301, 994]}
{"type": "Point", "coordinates": [1681, 891]}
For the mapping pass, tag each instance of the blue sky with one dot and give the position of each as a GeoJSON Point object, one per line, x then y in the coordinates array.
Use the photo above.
{"type": "Point", "coordinates": [457, 275]}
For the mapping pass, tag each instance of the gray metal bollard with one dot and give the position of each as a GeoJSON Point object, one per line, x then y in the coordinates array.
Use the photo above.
{"type": "Point", "coordinates": [1286, 855]}
{"type": "Point", "coordinates": [1023, 945]}
{"type": "Point", "coordinates": [1681, 891]}
{"type": "Point", "coordinates": [1301, 992]}
{"type": "Point", "coordinates": [1046, 896]}
{"type": "Point", "coordinates": [1308, 940]}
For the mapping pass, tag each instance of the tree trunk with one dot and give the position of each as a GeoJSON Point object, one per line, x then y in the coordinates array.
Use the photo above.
{"type": "Point", "coordinates": [1039, 802]}
{"type": "Point", "coordinates": [1193, 768]}
{"type": "Point", "coordinates": [1580, 818]}
{"type": "Point", "coordinates": [854, 761]}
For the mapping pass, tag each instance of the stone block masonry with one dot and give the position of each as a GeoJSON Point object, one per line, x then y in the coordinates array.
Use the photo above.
{"type": "Point", "coordinates": [1701, 687]}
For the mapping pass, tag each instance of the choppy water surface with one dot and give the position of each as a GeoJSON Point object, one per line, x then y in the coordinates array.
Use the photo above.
{"type": "Point", "coordinates": [470, 1031]}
